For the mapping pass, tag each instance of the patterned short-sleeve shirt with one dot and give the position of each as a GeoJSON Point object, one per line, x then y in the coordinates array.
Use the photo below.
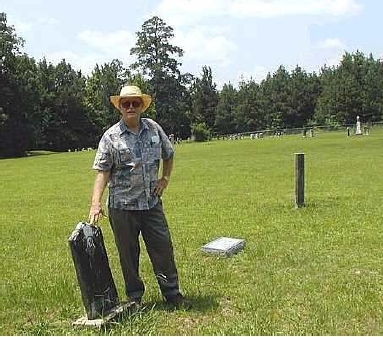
{"type": "Point", "coordinates": [133, 161]}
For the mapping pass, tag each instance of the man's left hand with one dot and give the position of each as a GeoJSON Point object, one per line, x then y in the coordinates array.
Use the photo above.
{"type": "Point", "coordinates": [161, 185]}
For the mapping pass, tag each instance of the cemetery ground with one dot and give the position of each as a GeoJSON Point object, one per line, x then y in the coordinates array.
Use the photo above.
{"type": "Point", "coordinates": [316, 270]}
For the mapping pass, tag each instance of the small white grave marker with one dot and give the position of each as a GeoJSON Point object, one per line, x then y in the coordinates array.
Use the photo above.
{"type": "Point", "coordinates": [224, 246]}
{"type": "Point", "coordinates": [358, 131]}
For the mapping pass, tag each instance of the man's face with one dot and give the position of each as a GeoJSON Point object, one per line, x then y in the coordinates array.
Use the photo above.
{"type": "Point", "coordinates": [131, 108]}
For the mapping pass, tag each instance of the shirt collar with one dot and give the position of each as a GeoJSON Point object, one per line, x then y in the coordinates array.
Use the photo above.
{"type": "Point", "coordinates": [123, 128]}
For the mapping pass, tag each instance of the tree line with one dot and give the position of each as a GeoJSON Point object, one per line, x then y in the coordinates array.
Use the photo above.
{"type": "Point", "coordinates": [56, 107]}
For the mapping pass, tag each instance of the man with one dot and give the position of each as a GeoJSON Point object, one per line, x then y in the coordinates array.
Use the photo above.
{"type": "Point", "coordinates": [128, 160]}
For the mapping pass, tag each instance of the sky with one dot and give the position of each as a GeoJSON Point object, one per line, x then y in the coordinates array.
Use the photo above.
{"type": "Point", "coordinates": [237, 39]}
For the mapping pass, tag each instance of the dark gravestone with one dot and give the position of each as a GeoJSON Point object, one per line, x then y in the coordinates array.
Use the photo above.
{"type": "Point", "coordinates": [94, 276]}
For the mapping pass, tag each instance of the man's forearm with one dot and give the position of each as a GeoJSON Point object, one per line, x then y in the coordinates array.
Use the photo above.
{"type": "Point", "coordinates": [100, 182]}
{"type": "Point", "coordinates": [167, 167]}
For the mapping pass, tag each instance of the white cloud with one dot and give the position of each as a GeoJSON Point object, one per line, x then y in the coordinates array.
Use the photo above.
{"type": "Point", "coordinates": [48, 21]}
{"type": "Point", "coordinates": [84, 62]}
{"type": "Point", "coordinates": [331, 43]}
{"type": "Point", "coordinates": [331, 51]}
{"type": "Point", "coordinates": [333, 60]}
{"type": "Point", "coordinates": [21, 27]}
{"type": "Point", "coordinates": [106, 47]}
{"type": "Point", "coordinates": [209, 46]}
{"type": "Point", "coordinates": [258, 74]}
{"type": "Point", "coordinates": [116, 43]}
{"type": "Point", "coordinates": [79, 62]}
{"type": "Point", "coordinates": [282, 8]}
{"type": "Point", "coordinates": [191, 12]}
{"type": "Point", "coordinates": [201, 46]}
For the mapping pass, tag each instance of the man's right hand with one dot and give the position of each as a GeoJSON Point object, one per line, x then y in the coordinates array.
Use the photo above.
{"type": "Point", "coordinates": [100, 182]}
{"type": "Point", "coordinates": [95, 213]}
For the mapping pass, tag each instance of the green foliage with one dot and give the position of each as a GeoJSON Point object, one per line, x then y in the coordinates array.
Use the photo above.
{"type": "Point", "coordinates": [153, 49]}
{"type": "Point", "coordinates": [13, 94]}
{"type": "Point", "coordinates": [105, 80]}
{"type": "Point", "coordinates": [224, 120]}
{"type": "Point", "coordinates": [200, 131]}
{"type": "Point", "coordinates": [248, 114]}
{"type": "Point", "coordinates": [156, 59]}
{"type": "Point", "coordinates": [204, 99]}
{"type": "Point", "coordinates": [312, 271]}
{"type": "Point", "coordinates": [355, 88]}
{"type": "Point", "coordinates": [66, 124]}
{"type": "Point", "coordinates": [304, 93]}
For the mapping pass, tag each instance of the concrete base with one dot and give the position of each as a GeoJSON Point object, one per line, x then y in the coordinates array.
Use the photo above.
{"type": "Point", "coordinates": [111, 315]}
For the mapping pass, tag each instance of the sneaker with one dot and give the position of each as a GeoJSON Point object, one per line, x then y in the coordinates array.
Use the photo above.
{"type": "Point", "coordinates": [178, 302]}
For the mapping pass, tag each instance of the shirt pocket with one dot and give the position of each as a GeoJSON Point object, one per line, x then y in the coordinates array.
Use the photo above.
{"type": "Point", "coordinates": [124, 158]}
{"type": "Point", "coordinates": [154, 154]}
{"type": "Point", "coordinates": [151, 149]}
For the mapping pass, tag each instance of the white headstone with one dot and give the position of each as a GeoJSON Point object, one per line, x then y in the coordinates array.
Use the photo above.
{"type": "Point", "coordinates": [358, 128]}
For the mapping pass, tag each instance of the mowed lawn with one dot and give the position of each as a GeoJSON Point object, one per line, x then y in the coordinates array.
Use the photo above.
{"type": "Point", "coordinates": [311, 271]}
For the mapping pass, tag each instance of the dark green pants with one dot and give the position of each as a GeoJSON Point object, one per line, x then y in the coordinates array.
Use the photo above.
{"type": "Point", "coordinates": [152, 224]}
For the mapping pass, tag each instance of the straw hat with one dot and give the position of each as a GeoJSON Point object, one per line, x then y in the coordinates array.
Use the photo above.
{"type": "Point", "coordinates": [131, 91]}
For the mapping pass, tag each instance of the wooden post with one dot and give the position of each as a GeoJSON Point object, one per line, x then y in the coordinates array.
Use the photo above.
{"type": "Point", "coordinates": [299, 180]}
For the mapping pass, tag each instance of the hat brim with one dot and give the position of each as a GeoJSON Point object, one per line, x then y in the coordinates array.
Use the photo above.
{"type": "Point", "coordinates": [146, 100]}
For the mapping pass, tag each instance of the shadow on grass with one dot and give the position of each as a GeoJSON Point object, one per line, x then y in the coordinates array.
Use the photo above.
{"type": "Point", "coordinates": [30, 154]}
{"type": "Point", "coordinates": [198, 304]}
{"type": "Point", "coordinates": [39, 153]}
{"type": "Point", "coordinates": [144, 316]}
{"type": "Point", "coordinates": [328, 201]}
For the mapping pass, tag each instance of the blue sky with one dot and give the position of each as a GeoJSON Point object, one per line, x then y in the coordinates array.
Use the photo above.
{"type": "Point", "coordinates": [236, 38]}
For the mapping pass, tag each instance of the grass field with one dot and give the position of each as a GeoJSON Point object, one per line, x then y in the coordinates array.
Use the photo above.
{"type": "Point", "coordinates": [317, 270]}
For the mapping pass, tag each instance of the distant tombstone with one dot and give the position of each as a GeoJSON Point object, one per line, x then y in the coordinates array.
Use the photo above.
{"type": "Point", "coordinates": [311, 132]}
{"type": "Point", "coordinates": [358, 130]}
{"type": "Point", "coordinates": [171, 138]}
{"type": "Point", "coordinates": [224, 246]}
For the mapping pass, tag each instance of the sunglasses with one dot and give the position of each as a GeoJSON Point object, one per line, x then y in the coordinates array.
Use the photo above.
{"type": "Point", "coordinates": [128, 104]}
